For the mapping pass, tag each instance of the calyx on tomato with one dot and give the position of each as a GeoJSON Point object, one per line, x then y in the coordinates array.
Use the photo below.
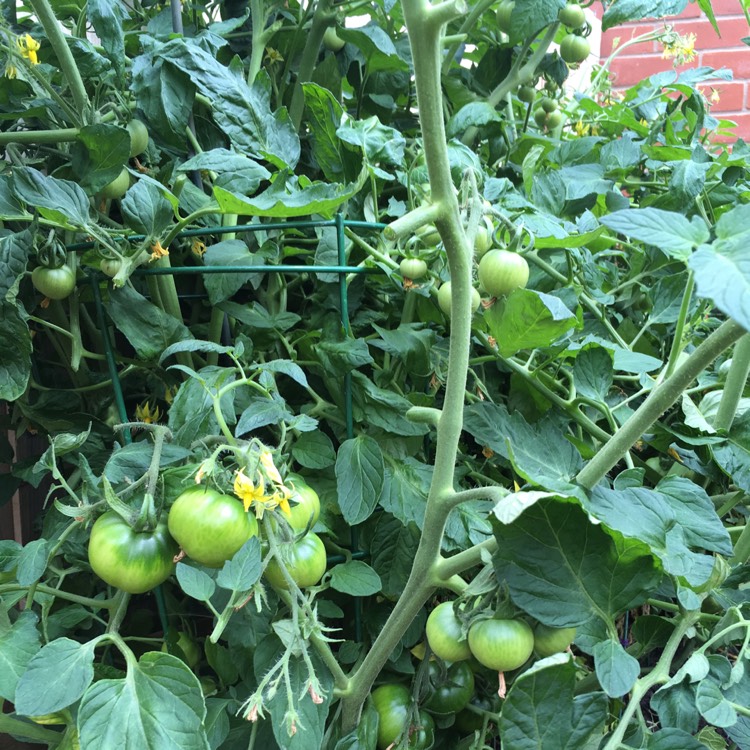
{"type": "Point", "coordinates": [134, 561]}
{"type": "Point", "coordinates": [209, 526]}
{"type": "Point", "coordinates": [502, 645]}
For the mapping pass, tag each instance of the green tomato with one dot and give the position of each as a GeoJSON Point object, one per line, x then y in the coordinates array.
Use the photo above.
{"type": "Point", "coordinates": [549, 105]}
{"type": "Point", "coordinates": [450, 690]}
{"type": "Point", "coordinates": [209, 526]}
{"type": "Point", "coordinates": [443, 630]}
{"type": "Point", "coordinates": [574, 49]}
{"type": "Point", "coordinates": [304, 504]}
{"type": "Point", "coordinates": [540, 117]}
{"type": "Point", "coordinates": [467, 721]}
{"type": "Point", "coordinates": [138, 137]}
{"type": "Point", "coordinates": [527, 94]}
{"type": "Point", "coordinates": [501, 645]}
{"type": "Point", "coordinates": [118, 187]}
{"type": "Point", "coordinates": [413, 268]}
{"type": "Point", "coordinates": [305, 561]}
{"type": "Point", "coordinates": [554, 120]}
{"type": "Point", "coordinates": [392, 704]}
{"type": "Point", "coordinates": [548, 641]}
{"type": "Point", "coordinates": [501, 272]}
{"type": "Point", "coordinates": [444, 298]}
{"type": "Point", "coordinates": [55, 283]}
{"type": "Point", "coordinates": [572, 16]}
{"type": "Point", "coordinates": [187, 649]}
{"type": "Point", "coordinates": [429, 235]}
{"type": "Point", "coordinates": [503, 15]}
{"type": "Point", "coordinates": [131, 560]}
{"type": "Point", "coordinates": [332, 41]}
{"type": "Point", "coordinates": [482, 240]}
{"type": "Point", "coordinates": [110, 266]}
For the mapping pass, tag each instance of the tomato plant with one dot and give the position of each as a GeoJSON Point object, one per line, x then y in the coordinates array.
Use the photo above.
{"type": "Point", "coordinates": [134, 561]}
{"type": "Point", "coordinates": [55, 283]}
{"type": "Point", "coordinates": [304, 560]}
{"type": "Point", "coordinates": [210, 526]}
{"type": "Point", "coordinates": [501, 272]}
{"type": "Point", "coordinates": [502, 645]}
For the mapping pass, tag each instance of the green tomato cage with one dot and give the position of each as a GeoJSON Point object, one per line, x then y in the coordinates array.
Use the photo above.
{"type": "Point", "coordinates": [342, 269]}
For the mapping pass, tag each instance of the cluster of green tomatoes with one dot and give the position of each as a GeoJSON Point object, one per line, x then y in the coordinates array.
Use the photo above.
{"type": "Point", "coordinates": [497, 644]}
{"type": "Point", "coordinates": [210, 527]}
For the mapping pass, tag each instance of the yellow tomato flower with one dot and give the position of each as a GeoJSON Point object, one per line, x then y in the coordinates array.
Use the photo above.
{"type": "Point", "coordinates": [157, 251]}
{"type": "Point", "coordinates": [146, 413]}
{"type": "Point", "coordinates": [680, 48]}
{"type": "Point", "coordinates": [269, 467]}
{"type": "Point", "coordinates": [28, 47]}
{"type": "Point", "coordinates": [252, 494]}
{"type": "Point", "coordinates": [198, 248]}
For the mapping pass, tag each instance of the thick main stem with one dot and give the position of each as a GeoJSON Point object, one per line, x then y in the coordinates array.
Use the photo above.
{"type": "Point", "coordinates": [660, 399]}
{"type": "Point", "coordinates": [424, 24]}
{"type": "Point", "coordinates": [735, 384]}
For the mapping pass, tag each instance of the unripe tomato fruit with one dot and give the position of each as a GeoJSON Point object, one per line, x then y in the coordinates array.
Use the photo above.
{"type": "Point", "coordinates": [138, 137]}
{"type": "Point", "coordinates": [305, 560]}
{"type": "Point", "coordinates": [574, 48]}
{"type": "Point", "coordinates": [449, 692]}
{"type": "Point", "coordinates": [549, 105]}
{"type": "Point", "coordinates": [304, 504]}
{"type": "Point", "coordinates": [392, 703]}
{"type": "Point", "coordinates": [501, 271]}
{"type": "Point", "coordinates": [548, 641]}
{"type": "Point", "coordinates": [540, 117]}
{"type": "Point", "coordinates": [501, 645]}
{"type": "Point", "coordinates": [503, 14]}
{"type": "Point", "coordinates": [55, 283]}
{"type": "Point", "coordinates": [482, 240]}
{"type": "Point", "coordinates": [332, 41]}
{"type": "Point", "coordinates": [134, 561]}
{"type": "Point", "coordinates": [209, 526]}
{"type": "Point", "coordinates": [118, 187]}
{"type": "Point", "coordinates": [572, 16]}
{"type": "Point", "coordinates": [413, 268]}
{"type": "Point", "coordinates": [554, 119]}
{"type": "Point", "coordinates": [110, 266]}
{"type": "Point", "coordinates": [443, 630]}
{"type": "Point", "coordinates": [444, 298]}
{"type": "Point", "coordinates": [527, 94]}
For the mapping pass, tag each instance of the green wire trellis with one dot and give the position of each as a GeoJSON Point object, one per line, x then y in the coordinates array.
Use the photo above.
{"type": "Point", "coordinates": [342, 270]}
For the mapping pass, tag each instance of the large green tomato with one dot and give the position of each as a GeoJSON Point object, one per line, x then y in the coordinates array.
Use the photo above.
{"type": "Point", "coordinates": [574, 48]}
{"type": "Point", "coordinates": [209, 526]}
{"type": "Point", "coordinates": [118, 187]}
{"type": "Point", "coordinates": [572, 16]}
{"type": "Point", "coordinates": [548, 641]}
{"type": "Point", "coordinates": [450, 690]}
{"type": "Point", "coordinates": [443, 630]}
{"type": "Point", "coordinates": [501, 271]}
{"type": "Point", "coordinates": [55, 283]}
{"type": "Point", "coordinates": [413, 268]}
{"type": "Point", "coordinates": [502, 645]}
{"type": "Point", "coordinates": [131, 560]}
{"type": "Point", "coordinates": [305, 560]}
{"type": "Point", "coordinates": [392, 703]}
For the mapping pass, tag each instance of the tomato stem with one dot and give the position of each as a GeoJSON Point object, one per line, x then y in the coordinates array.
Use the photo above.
{"type": "Point", "coordinates": [735, 385]}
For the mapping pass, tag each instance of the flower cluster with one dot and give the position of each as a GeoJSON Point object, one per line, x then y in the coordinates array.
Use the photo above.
{"type": "Point", "coordinates": [265, 490]}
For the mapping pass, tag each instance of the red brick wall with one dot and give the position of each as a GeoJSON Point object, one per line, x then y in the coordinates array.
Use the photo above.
{"type": "Point", "coordinates": [727, 50]}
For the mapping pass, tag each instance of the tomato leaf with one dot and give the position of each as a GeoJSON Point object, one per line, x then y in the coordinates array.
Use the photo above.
{"type": "Point", "coordinates": [393, 548]}
{"type": "Point", "coordinates": [675, 739]}
{"type": "Point", "coordinates": [195, 582]}
{"type": "Point", "coordinates": [242, 572]}
{"type": "Point", "coordinates": [634, 10]}
{"type": "Point", "coordinates": [359, 478]}
{"type": "Point", "coordinates": [19, 642]}
{"type": "Point", "coordinates": [60, 201]}
{"type": "Point", "coordinates": [314, 450]}
{"type": "Point", "coordinates": [146, 210]}
{"type": "Point", "coordinates": [560, 568]}
{"type": "Point", "coordinates": [355, 578]}
{"type": "Point", "coordinates": [542, 710]}
{"type": "Point", "coordinates": [56, 677]}
{"type": "Point", "coordinates": [157, 706]}
{"type": "Point", "coordinates": [15, 343]}
{"type": "Point", "coordinates": [616, 670]}
{"type": "Point", "coordinates": [32, 562]}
